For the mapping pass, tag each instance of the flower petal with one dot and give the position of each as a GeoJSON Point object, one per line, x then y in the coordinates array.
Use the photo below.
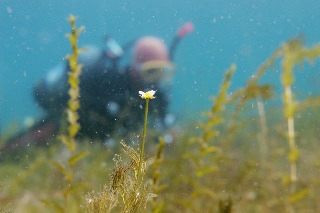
{"type": "Point", "coordinates": [147, 95]}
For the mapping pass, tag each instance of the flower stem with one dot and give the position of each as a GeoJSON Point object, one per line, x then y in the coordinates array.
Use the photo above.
{"type": "Point", "coordinates": [143, 138]}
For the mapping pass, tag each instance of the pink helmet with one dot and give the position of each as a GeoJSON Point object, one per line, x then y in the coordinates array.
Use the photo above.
{"type": "Point", "coordinates": [150, 58]}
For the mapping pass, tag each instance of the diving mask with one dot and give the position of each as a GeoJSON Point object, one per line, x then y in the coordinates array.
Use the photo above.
{"type": "Point", "coordinates": [157, 71]}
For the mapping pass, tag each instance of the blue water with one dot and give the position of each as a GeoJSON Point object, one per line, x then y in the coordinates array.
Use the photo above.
{"type": "Point", "coordinates": [32, 40]}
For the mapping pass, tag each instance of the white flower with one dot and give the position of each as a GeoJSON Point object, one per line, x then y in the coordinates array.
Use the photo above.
{"type": "Point", "coordinates": [147, 95]}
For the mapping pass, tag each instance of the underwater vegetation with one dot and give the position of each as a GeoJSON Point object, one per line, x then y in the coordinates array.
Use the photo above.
{"type": "Point", "coordinates": [68, 140]}
{"type": "Point", "coordinates": [244, 157]}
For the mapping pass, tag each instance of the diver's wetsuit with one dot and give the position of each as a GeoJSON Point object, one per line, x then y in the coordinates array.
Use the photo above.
{"type": "Point", "coordinates": [109, 98]}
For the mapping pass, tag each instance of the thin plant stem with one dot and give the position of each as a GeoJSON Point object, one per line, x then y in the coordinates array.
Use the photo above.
{"type": "Point", "coordinates": [292, 144]}
{"type": "Point", "coordinates": [143, 138]}
{"type": "Point", "coordinates": [264, 129]}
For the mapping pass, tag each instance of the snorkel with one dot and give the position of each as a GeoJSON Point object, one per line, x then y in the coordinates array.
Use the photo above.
{"type": "Point", "coordinates": [182, 31]}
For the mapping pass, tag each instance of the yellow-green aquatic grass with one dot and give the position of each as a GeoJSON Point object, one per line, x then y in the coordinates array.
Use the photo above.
{"type": "Point", "coordinates": [237, 180]}
{"type": "Point", "coordinates": [67, 169]}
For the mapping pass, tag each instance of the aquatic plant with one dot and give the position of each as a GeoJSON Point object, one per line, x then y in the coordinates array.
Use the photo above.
{"type": "Point", "coordinates": [72, 116]}
{"type": "Point", "coordinates": [204, 148]}
{"type": "Point", "coordinates": [126, 191]}
{"type": "Point", "coordinates": [147, 96]}
{"type": "Point", "coordinates": [219, 105]}
{"type": "Point", "coordinates": [214, 160]}
{"type": "Point", "coordinates": [293, 53]}
{"type": "Point", "coordinates": [156, 187]}
{"type": "Point", "coordinates": [74, 91]}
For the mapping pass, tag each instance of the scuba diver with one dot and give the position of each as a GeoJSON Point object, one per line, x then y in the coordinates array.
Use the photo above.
{"type": "Point", "coordinates": [109, 100]}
